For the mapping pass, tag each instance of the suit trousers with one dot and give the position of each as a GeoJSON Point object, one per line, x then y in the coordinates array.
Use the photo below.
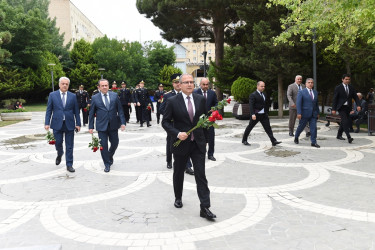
{"type": "Point", "coordinates": [292, 120]}
{"type": "Point", "coordinates": [346, 121]}
{"type": "Point", "coordinates": [168, 149]}
{"type": "Point", "coordinates": [85, 116]}
{"type": "Point", "coordinates": [125, 108]}
{"type": "Point", "coordinates": [145, 116]}
{"type": "Point", "coordinates": [211, 141]}
{"type": "Point", "coordinates": [158, 111]}
{"type": "Point", "coordinates": [265, 121]}
{"type": "Point", "coordinates": [69, 143]}
{"type": "Point", "coordinates": [302, 125]}
{"type": "Point", "coordinates": [112, 136]}
{"type": "Point", "coordinates": [138, 113]}
{"type": "Point", "coordinates": [198, 159]}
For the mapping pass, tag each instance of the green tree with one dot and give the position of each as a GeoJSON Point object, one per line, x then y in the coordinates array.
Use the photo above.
{"type": "Point", "coordinates": [166, 73]}
{"type": "Point", "coordinates": [193, 19]}
{"type": "Point", "coordinates": [5, 38]}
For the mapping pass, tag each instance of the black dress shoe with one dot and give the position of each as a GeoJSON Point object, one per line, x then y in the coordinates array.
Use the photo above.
{"type": "Point", "coordinates": [107, 169]}
{"type": "Point", "coordinates": [58, 160]}
{"type": "Point", "coordinates": [274, 143]}
{"type": "Point", "coordinates": [70, 169]}
{"type": "Point", "coordinates": [315, 145]}
{"type": "Point", "coordinates": [350, 140]}
{"type": "Point", "coordinates": [308, 134]}
{"type": "Point", "coordinates": [169, 165]}
{"type": "Point", "coordinates": [148, 125]}
{"type": "Point", "coordinates": [340, 138]}
{"type": "Point", "coordinates": [296, 141]}
{"type": "Point", "coordinates": [111, 160]}
{"type": "Point", "coordinates": [291, 134]}
{"type": "Point", "coordinates": [206, 213]}
{"type": "Point", "coordinates": [141, 124]}
{"type": "Point", "coordinates": [357, 130]}
{"type": "Point", "coordinates": [245, 143]}
{"type": "Point", "coordinates": [351, 130]}
{"type": "Point", "coordinates": [189, 171]}
{"type": "Point", "coordinates": [212, 158]}
{"type": "Point", "coordinates": [178, 203]}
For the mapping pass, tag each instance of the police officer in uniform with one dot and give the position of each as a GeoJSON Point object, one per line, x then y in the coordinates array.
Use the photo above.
{"type": "Point", "coordinates": [83, 100]}
{"type": "Point", "coordinates": [142, 99]}
{"type": "Point", "coordinates": [158, 97]}
{"type": "Point", "coordinates": [125, 98]}
{"type": "Point", "coordinates": [137, 108]}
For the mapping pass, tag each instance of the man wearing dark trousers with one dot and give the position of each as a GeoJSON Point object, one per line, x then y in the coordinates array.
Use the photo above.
{"type": "Point", "coordinates": [211, 101]}
{"type": "Point", "coordinates": [307, 111]}
{"type": "Point", "coordinates": [142, 99]}
{"type": "Point", "coordinates": [342, 102]}
{"type": "Point", "coordinates": [259, 113]}
{"type": "Point", "coordinates": [125, 98]}
{"type": "Point", "coordinates": [83, 100]}
{"type": "Point", "coordinates": [181, 113]}
{"type": "Point", "coordinates": [158, 97]}
{"type": "Point", "coordinates": [109, 118]}
{"type": "Point", "coordinates": [63, 108]}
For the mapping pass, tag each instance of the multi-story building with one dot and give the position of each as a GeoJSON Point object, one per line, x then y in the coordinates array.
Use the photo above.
{"type": "Point", "coordinates": [71, 21]}
{"type": "Point", "coordinates": [189, 57]}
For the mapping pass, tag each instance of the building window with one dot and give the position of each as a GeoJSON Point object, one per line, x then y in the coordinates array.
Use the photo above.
{"type": "Point", "coordinates": [194, 59]}
{"type": "Point", "coordinates": [194, 52]}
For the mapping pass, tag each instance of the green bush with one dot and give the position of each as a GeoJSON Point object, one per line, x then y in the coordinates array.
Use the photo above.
{"type": "Point", "coordinates": [242, 88]}
{"type": "Point", "coordinates": [14, 110]}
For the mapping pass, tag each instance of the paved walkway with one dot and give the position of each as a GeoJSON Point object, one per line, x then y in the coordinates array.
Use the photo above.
{"type": "Point", "coordinates": [284, 197]}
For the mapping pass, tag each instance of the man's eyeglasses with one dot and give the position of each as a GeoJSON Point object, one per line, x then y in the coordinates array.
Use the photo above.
{"type": "Point", "coordinates": [191, 82]}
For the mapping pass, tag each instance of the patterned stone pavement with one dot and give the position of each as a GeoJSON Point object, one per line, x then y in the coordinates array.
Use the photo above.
{"type": "Point", "coordinates": [284, 197]}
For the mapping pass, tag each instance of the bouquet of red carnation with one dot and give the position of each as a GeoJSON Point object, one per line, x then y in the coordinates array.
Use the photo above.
{"type": "Point", "coordinates": [86, 109]}
{"type": "Point", "coordinates": [50, 138]}
{"type": "Point", "coordinates": [161, 98]}
{"type": "Point", "coordinates": [149, 107]}
{"type": "Point", "coordinates": [206, 121]}
{"type": "Point", "coordinates": [95, 144]}
{"type": "Point", "coordinates": [115, 89]}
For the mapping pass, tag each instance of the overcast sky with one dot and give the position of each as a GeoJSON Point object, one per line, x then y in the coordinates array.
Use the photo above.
{"type": "Point", "coordinates": [119, 19]}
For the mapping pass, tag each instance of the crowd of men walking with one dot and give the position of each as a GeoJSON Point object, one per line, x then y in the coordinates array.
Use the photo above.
{"type": "Point", "coordinates": [108, 110]}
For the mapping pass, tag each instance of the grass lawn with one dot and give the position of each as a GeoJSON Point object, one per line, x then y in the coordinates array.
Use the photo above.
{"type": "Point", "coordinates": [34, 107]}
{"type": "Point", "coordinates": [6, 123]}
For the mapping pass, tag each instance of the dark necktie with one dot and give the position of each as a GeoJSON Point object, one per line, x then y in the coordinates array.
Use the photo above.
{"type": "Point", "coordinates": [312, 97]}
{"type": "Point", "coordinates": [205, 94]}
{"type": "Point", "coordinates": [299, 87]}
{"type": "Point", "coordinates": [346, 89]}
{"type": "Point", "coordinates": [261, 93]}
{"type": "Point", "coordinates": [106, 101]}
{"type": "Point", "coordinates": [63, 99]}
{"type": "Point", "coordinates": [191, 113]}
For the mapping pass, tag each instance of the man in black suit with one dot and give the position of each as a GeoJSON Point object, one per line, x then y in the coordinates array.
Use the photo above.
{"type": "Point", "coordinates": [83, 100]}
{"type": "Point", "coordinates": [259, 113]}
{"type": "Point", "coordinates": [211, 101]}
{"type": "Point", "coordinates": [142, 99]}
{"type": "Point", "coordinates": [182, 113]}
{"type": "Point", "coordinates": [342, 102]}
{"type": "Point", "coordinates": [158, 97]}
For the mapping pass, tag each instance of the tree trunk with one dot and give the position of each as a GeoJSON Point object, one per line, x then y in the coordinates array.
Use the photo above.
{"type": "Point", "coordinates": [280, 95]}
{"type": "Point", "coordinates": [218, 30]}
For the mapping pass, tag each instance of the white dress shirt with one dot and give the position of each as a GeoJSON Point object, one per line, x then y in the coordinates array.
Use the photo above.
{"type": "Point", "coordinates": [104, 99]}
{"type": "Point", "coordinates": [345, 86]}
{"type": "Point", "coordinates": [186, 101]}
{"type": "Point", "coordinates": [264, 98]}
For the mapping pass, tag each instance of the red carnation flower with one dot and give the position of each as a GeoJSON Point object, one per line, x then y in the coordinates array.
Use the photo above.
{"type": "Point", "coordinates": [211, 119]}
{"type": "Point", "coordinates": [229, 100]}
{"type": "Point", "coordinates": [215, 114]}
{"type": "Point", "coordinates": [219, 117]}
{"type": "Point", "coordinates": [95, 149]}
{"type": "Point", "coordinates": [101, 148]}
{"type": "Point", "coordinates": [85, 109]}
{"type": "Point", "coordinates": [149, 107]}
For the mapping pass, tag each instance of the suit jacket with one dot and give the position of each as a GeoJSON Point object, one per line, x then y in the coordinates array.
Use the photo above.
{"type": "Point", "coordinates": [165, 97]}
{"type": "Point", "coordinates": [56, 110]}
{"type": "Point", "coordinates": [112, 117]}
{"type": "Point", "coordinates": [364, 108]}
{"type": "Point", "coordinates": [211, 100]}
{"type": "Point", "coordinates": [340, 97]}
{"type": "Point", "coordinates": [125, 96]}
{"type": "Point", "coordinates": [142, 96]}
{"type": "Point", "coordinates": [292, 92]}
{"type": "Point", "coordinates": [176, 119]}
{"type": "Point", "coordinates": [306, 106]}
{"type": "Point", "coordinates": [257, 103]}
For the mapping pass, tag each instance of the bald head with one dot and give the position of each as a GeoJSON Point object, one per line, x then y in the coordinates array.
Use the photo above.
{"type": "Point", "coordinates": [205, 83]}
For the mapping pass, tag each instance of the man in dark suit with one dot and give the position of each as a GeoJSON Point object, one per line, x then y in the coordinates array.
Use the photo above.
{"type": "Point", "coordinates": [259, 113]}
{"type": "Point", "coordinates": [63, 108]}
{"type": "Point", "coordinates": [211, 101]}
{"type": "Point", "coordinates": [158, 97]}
{"type": "Point", "coordinates": [142, 99]}
{"type": "Point", "coordinates": [83, 100]}
{"type": "Point", "coordinates": [181, 113]}
{"type": "Point", "coordinates": [307, 111]}
{"type": "Point", "coordinates": [342, 102]}
{"type": "Point", "coordinates": [109, 118]}
{"type": "Point", "coordinates": [358, 116]}
{"type": "Point", "coordinates": [125, 98]}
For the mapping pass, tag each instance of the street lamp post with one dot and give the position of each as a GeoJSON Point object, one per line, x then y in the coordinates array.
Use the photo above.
{"type": "Point", "coordinates": [204, 39]}
{"type": "Point", "coordinates": [101, 72]}
{"type": "Point", "coordinates": [53, 86]}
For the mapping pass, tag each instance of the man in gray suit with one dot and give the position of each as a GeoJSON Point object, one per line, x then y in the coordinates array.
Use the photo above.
{"type": "Point", "coordinates": [292, 98]}
{"type": "Point", "coordinates": [109, 118]}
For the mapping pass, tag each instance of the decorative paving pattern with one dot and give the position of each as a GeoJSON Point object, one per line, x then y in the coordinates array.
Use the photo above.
{"type": "Point", "coordinates": [253, 190]}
